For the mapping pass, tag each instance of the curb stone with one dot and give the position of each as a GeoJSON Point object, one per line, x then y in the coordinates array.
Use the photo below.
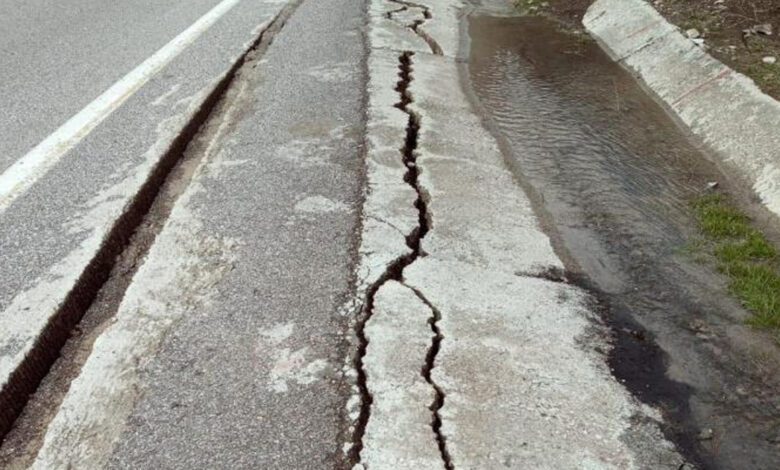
{"type": "Point", "coordinates": [722, 107]}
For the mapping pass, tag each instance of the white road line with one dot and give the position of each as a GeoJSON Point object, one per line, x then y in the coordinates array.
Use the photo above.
{"type": "Point", "coordinates": [23, 173]}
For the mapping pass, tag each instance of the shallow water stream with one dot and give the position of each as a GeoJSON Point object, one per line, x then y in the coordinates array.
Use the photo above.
{"type": "Point", "coordinates": [612, 176]}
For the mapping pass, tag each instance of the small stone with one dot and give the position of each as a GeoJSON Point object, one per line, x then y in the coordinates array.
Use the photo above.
{"type": "Point", "coordinates": [698, 326]}
{"type": "Point", "coordinates": [765, 28]}
{"type": "Point", "coordinates": [693, 33]}
{"type": "Point", "coordinates": [706, 434]}
{"type": "Point", "coordinates": [769, 59]}
{"type": "Point", "coordinates": [699, 42]}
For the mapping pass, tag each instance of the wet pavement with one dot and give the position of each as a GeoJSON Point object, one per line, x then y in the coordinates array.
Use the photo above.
{"type": "Point", "coordinates": [612, 176]}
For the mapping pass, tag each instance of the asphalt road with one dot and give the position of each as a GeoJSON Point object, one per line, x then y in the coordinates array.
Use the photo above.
{"type": "Point", "coordinates": [53, 229]}
{"type": "Point", "coordinates": [229, 345]}
{"type": "Point", "coordinates": [286, 186]}
{"type": "Point", "coordinates": [56, 57]}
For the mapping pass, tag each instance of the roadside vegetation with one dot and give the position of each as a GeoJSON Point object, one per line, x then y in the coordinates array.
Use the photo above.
{"type": "Point", "coordinates": [530, 6]}
{"type": "Point", "coordinates": [744, 255]}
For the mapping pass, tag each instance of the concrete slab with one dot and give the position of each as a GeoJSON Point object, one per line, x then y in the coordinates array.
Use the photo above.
{"type": "Point", "coordinates": [389, 202]}
{"type": "Point", "coordinates": [479, 213]}
{"type": "Point", "coordinates": [522, 367]}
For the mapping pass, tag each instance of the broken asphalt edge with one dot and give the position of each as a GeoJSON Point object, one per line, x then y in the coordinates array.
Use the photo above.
{"type": "Point", "coordinates": [21, 374]}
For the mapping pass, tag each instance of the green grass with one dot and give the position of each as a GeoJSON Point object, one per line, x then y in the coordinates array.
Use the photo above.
{"type": "Point", "coordinates": [704, 21]}
{"type": "Point", "coordinates": [529, 6]}
{"type": "Point", "coordinates": [766, 76]}
{"type": "Point", "coordinates": [744, 255]}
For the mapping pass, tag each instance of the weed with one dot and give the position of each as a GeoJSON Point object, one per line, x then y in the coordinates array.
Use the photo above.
{"type": "Point", "coordinates": [530, 6]}
{"type": "Point", "coordinates": [744, 255]}
{"type": "Point", "coordinates": [765, 75]}
{"type": "Point", "coordinates": [754, 247]}
{"type": "Point", "coordinates": [718, 219]}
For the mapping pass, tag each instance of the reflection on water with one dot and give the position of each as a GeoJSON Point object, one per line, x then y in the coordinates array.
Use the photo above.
{"type": "Point", "coordinates": [592, 144]}
{"type": "Point", "coordinates": [614, 175]}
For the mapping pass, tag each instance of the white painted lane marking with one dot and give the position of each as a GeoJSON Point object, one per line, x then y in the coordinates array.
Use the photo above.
{"type": "Point", "coordinates": [23, 173]}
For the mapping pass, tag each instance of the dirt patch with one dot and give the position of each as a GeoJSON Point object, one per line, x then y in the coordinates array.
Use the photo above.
{"type": "Point", "coordinates": [721, 24]}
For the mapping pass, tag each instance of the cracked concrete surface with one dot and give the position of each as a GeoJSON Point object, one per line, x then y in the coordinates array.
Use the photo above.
{"type": "Point", "coordinates": [400, 340]}
{"type": "Point", "coordinates": [467, 352]}
{"type": "Point", "coordinates": [514, 362]}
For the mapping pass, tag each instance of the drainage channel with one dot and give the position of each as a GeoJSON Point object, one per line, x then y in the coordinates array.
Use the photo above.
{"type": "Point", "coordinates": [611, 176]}
{"type": "Point", "coordinates": [36, 390]}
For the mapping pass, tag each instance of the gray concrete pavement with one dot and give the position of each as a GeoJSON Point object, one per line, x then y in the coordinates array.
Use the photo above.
{"type": "Point", "coordinates": [512, 356]}
{"type": "Point", "coordinates": [227, 349]}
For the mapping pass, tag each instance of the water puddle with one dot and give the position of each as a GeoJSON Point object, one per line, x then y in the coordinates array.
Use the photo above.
{"type": "Point", "coordinates": [612, 176]}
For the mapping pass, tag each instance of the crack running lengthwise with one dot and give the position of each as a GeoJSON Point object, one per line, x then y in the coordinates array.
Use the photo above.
{"type": "Point", "coordinates": [395, 272]}
{"type": "Point", "coordinates": [430, 363]}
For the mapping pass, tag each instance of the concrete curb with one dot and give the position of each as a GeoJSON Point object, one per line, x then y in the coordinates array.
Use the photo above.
{"type": "Point", "coordinates": [720, 106]}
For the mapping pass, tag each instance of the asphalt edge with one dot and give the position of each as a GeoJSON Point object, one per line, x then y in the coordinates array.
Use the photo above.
{"type": "Point", "coordinates": [719, 106]}
{"type": "Point", "coordinates": [28, 374]}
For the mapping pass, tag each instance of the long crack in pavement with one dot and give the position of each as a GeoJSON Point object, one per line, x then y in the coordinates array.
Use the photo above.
{"type": "Point", "coordinates": [430, 363]}
{"type": "Point", "coordinates": [38, 388]}
{"type": "Point", "coordinates": [27, 377]}
{"type": "Point", "coordinates": [519, 334]}
{"type": "Point", "coordinates": [395, 272]}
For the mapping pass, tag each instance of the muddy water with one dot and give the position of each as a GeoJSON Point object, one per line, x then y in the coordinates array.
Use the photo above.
{"type": "Point", "coordinates": [611, 176]}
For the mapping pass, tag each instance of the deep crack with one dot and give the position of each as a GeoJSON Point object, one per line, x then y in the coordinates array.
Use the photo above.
{"type": "Point", "coordinates": [389, 14]}
{"type": "Point", "coordinates": [395, 272]}
{"type": "Point", "coordinates": [416, 24]}
{"type": "Point", "coordinates": [430, 363]}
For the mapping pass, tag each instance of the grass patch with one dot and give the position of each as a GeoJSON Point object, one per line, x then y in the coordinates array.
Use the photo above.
{"type": "Point", "coordinates": [765, 75]}
{"type": "Point", "coordinates": [718, 219]}
{"type": "Point", "coordinates": [744, 255]}
{"type": "Point", "coordinates": [530, 6]}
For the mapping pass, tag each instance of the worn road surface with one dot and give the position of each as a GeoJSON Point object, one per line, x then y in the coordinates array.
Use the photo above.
{"type": "Point", "coordinates": [288, 234]}
{"type": "Point", "coordinates": [58, 57]}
